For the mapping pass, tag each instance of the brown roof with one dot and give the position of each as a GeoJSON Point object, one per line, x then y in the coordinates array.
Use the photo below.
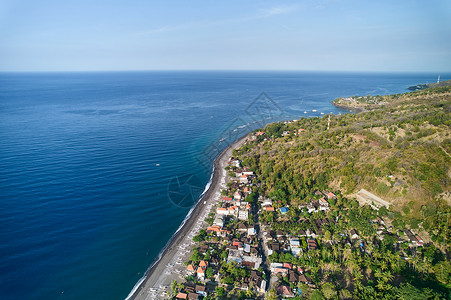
{"type": "Point", "coordinates": [193, 296]}
{"type": "Point", "coordinates": [283, 290]}
{"type": "Point", "coordinates": [293, 277]}
{"type": "Point", "coordinates": [303, 278]}
{"type": "Point", "coordinates": [200, 288]}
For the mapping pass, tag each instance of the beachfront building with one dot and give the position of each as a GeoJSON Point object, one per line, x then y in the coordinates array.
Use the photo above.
{"type": "Point", "coordinates": [200, 273]}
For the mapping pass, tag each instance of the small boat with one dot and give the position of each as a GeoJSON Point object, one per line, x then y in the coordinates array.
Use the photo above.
{"type": "Point", "coordinates": [322, 113]}
{"type": "Point", "coordinates": [314, 110]}
{"type": "Point", "coordinates": [305, 112]}
{"type": "Point", "coordinates": [157, 165]}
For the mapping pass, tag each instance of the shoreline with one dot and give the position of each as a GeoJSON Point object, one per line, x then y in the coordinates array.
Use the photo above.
{"type": "Point", "coordinates": [349, 108]}
{"type": "Point", "coordinates": [159, 275]}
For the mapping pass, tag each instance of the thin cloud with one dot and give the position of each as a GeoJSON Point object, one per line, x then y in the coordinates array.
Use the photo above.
{"type": "Point", "coordinates": [163, 29]}
{"type": "Point", "coordinates": [277, 10]}
{"type": "Point", "coordinates": [261, 14]}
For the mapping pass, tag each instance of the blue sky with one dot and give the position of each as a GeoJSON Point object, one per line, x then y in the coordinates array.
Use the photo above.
{"type": "Point", "coordinates": [85, 35]}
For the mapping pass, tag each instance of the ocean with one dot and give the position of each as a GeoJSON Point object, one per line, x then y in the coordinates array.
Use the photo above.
{"type": "Point", "coordinates": [98, 170]}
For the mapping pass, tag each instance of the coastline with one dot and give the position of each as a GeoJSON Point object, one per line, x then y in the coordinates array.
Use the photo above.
{"type": "Point", "coordinates": [349, 108]}
{"type": "Point", "coordinates": [160, 274]}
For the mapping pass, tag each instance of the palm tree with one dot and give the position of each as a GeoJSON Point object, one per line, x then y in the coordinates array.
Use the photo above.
{"type": "Point", "coordinates": [174, 286]}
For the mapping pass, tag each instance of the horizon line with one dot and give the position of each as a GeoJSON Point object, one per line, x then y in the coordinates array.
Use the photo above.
{"type": "Point", "coordinates": [224, 70]}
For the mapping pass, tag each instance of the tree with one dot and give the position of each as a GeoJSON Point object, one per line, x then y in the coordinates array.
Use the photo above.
{"type": "Point", "coordinates": [174, 287]}
{"type": "Point", "coordinates": [196, 256]}
{"type": "Point", "coordinates": [220, 291]}
{"type": "Point", "coordinates": [328, 290]}
{"type": "Point", "coordinates": [209, 272]}
{"type": "Point", "coordinates": [271, 295]}
{"type": "Point", "coordinates": [317, 295]}
{"type": "Point", "coordinates": [327, 235]}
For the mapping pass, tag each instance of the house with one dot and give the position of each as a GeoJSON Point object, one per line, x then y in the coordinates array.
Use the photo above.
{"type": "Point", "coordinates": [203, 249]}
{"type": "Point", "coordinates": [219, 220]}
{"type": "Point", "coordinates": [251, 231]}
{"type": "Point", "coordinates": [257, 279]}
{"type": "Point", "coordinates": [200, 273]}
{"type": "Point", "coordinates": [190, 269]}
{"type": "Point", "coordinates": [269, 208]}
{"type": "Point", "coordinates": [284, 210]}
{"type": "Point", "coordinates": [233, 210]}
{"type": "Point", "coordinates": [243, 214]}
{"type": "Point", "coordinates": [331, 195]}
{"type": "Point", "coordinates": [181, 296]}
{"type": "Point", "coordinates": [284, 291]}
{"type": "Point", "coordinates": [241, 227]}
{"type": "Point", "coordinates": [312, 245]}
{"type": "Point", "coordinates": [296, 251]}
{"type": "Point", "coordinates": [267, 202]}
{"type": "Point", "coordinates": [222, 211]}
{"type": "Point", "coordinates": [304, 279]}
{"type": "Point", "coordinates": [252, 261]}
{"type": "Point", "coordinates": [415, 240]}
{"type": "Point", "coordinates": [294, 243]}
{"type": "Point", "coordinates": [203, 264]}
{"type": "Point", "coordinates": [287, 266]}
{"type": "Point", "coordinates": [235, 255]}
{"type": "Point", "coordinates": [214, 228]}
{"type": "Point", "coordinates": [276, 265]}
{"type": "Point", "coordinates": [281, 271]}
{"type": "Point", "coordinates": [193, 296]}
{"type": "Point", "coordinates": [244, 179]}
{"type": "Point", "coordinates": [236, 163]}
{"type": "Point", "coordinates": [227, 199]}
{"type": "Point", "coordinates": [323, 202]}
{"type": "Point", "coordinates": [201, 290]}
{"type": "Point", "coordinates": [237, 196]}
{"type": "Point", "coordinates": [313, 207]}
{"type": "Point", "coordinates": [353, 234]}
{"type": "Point", "coordinates": [293, 277]}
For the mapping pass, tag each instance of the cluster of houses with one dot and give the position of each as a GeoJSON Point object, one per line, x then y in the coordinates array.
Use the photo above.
{"type": "Point", "coordinates": [231, 224]}
{"type": "Point", "coordinates": [192, 292]}
{"type": "Point", "coordinates": [233, 228]}
{"type": "Point", "coordinates": [321, 204]}
{"type": "Point", "coordinates": [414, 240]}
{"type": "Point", "coordinates": [198, 270]}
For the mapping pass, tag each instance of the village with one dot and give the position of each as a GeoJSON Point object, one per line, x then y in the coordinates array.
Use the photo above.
{"type": "Point", "coordinates": [252, 245]}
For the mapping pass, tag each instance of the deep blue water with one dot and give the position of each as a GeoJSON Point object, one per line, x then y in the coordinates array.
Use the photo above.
{"type": "Point", "coordinates": [88, 161]}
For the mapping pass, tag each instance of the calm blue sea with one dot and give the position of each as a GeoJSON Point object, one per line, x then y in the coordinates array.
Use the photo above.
{"type": "Point", "coordinates": [88, 163]}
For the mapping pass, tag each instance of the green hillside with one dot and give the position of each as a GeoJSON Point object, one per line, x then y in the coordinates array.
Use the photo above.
{"type": "Point", "coordinates": [399, 151]}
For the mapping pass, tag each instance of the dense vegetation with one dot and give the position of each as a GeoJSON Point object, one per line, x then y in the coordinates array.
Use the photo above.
{"type": "Point", "coordinates": [399, 151]}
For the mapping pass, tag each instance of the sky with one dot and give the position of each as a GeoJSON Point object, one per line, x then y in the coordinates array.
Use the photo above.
{"type": "Point", "coordinates": [319, 35]}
